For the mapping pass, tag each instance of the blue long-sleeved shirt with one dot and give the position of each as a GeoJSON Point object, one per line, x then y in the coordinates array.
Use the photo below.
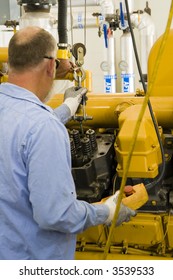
{"type": "Point", "coordinates": [39, 213]}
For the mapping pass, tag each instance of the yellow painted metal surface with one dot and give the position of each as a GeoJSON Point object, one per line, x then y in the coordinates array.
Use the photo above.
{"type": "Point", "coordinates": [105, 108]}
{"type": "Point", "coordinates": [3, 79]}
{"type": "Point", "coordinates": [169, 230]}
{"type": "Point", "coordinates": [146, 236]}
{"type": "Point", "coordinates": [87, 82]}
{"type": "Point", "coordinates": [146, 154]}
{"type": "Point", "coordinates": [3, 54]}
{"type": "Point", "coordinates": [94, 254]}
{"type": "Point", "coordinates": [143, 231]}
{"type": "Point", "coordinates": [164, 81]}
{"type": "Point", "coordinates": [93, 235]}
{"type": "Point", "coordinates": [63, 54]}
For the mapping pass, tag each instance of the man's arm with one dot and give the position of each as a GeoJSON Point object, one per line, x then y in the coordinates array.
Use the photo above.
{"type": "Point", "coordinates": [51, 185]}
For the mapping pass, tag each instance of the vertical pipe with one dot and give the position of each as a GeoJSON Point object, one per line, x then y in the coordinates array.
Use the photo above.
{"type": "Point", "coordinates": [110, 77]}
{"type": "Point", "coordinates": [62, 22]}
{"type": "Point", "coordinates": [147, 36]}
{"type": "Point", "coordinates": [81, 3]}
{"type": "Point", "coordinates": [107, 6]}
{"type": "Point", "coordinates": [127, 62]}
{"type": "Point", "coordinates": [130, 4]}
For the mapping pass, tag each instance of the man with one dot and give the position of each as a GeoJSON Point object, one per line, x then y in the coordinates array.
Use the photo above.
{"type": "Point", "coordinates": [39, 212]}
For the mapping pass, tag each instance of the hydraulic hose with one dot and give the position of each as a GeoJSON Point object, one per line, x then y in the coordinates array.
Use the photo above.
{"type": "Point", "coordinates": [62, 22]}
{"type": "Point", "coordinates": [135, 133]}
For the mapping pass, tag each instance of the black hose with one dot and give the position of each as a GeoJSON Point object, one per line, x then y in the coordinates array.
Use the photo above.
{"type": "Point", "coordinates": [162, 171]}
{"type": "Point", "coordinates": [62, 22]}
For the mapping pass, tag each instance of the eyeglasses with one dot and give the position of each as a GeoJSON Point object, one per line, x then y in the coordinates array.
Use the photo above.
{"type": "Point", "coordinates": [57, 61]}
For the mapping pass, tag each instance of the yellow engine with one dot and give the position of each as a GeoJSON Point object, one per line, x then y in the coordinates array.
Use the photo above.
{"type": "Point", "coordinates": [100, 155]}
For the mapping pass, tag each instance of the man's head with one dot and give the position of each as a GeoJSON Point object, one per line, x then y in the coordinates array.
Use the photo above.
{"type": "Point", "coordinates": [31, 53]}
{"type": "Point", "coordinates": [29, 46]}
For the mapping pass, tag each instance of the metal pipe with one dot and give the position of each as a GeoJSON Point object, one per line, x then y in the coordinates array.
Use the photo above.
{"type": "Point", "coordinates": [107, 6]}
{"type": "Point", "coordinates": [110, 76]}
{"type": "Point", "coordinates": [78, 21]}
{"type": "Point", "coordinates": [127, 62]}
{"type": "Point", "coordinates": [105, 109]}
{"type": "Point", "coordinates": [147, 33]}
{"type": "Point", "coordinates": [130, 4]}
{"type": "Point", "coordinates": [62, 22]}
{"type": "Point", "coordinates": [81, 3]}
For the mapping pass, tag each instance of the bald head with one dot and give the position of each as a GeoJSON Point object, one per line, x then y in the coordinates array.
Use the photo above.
{"type": "Point", "coordinates": [28, 47]}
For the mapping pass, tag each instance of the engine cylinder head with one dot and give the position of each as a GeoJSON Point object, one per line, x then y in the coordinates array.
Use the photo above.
{"type": "Point", "coordinates": [90, 133]}
{"type": "Point", "coordinates": [73, 148]}
{"type": "Point", "coordinates": [86, 147]}
{"type": "Point", "coordinates": [74, 133]}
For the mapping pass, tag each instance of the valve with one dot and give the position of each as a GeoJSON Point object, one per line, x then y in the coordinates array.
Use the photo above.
{"type": "Point", "coordinates": [105, 35]}
{"type": "Point", "coordinates": [12, 23]}
{"type": "Point", "coordinates": [123, 22]}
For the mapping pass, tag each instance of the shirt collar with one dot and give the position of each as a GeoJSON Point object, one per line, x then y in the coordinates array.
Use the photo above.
{"type": "Point", "coordinates": [22, 93]}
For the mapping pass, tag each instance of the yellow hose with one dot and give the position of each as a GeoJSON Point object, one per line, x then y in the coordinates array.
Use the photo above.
{"type": "Point", "coordinates": [136, 130]}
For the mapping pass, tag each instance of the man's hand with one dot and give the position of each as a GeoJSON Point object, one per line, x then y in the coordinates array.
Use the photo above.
{"type": "Point", "coordinates": [65, 67]}
{"type": "Point", "coordinates": [73, 97]}
{"type": "Point", "coordinates": [124, 214]}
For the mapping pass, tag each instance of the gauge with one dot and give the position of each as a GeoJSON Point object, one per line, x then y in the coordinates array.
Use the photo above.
{"type": "Point", "coordinates": [104, 66]}
{"type": "Point", "coordinates": [123, 65]}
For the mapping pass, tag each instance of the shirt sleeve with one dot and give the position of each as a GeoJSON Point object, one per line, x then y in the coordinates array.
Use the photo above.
{"type": "Point", "coordinates": [51, 187]}
{"type": "Point", "coordinates": [63, 113]}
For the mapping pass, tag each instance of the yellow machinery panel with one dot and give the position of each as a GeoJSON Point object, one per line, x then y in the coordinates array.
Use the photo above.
{"type": "Point", "coordinates": [169, 230]}
{"type": "Point", "coordinates": [143, 231]}
{"type": "Point", "coordinates": [146, 155]}
{"type": "Point", "coordinates": [144, 235]}
{"type": "Point", "coordinates": [94, 235]}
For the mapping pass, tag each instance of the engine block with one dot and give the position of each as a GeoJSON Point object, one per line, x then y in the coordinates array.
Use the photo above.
{"type": "Point", "coordinates": [93, 163]}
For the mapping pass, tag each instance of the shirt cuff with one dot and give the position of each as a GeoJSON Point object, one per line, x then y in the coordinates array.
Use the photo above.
{"type": "Point", "coordinates": [102, 211]}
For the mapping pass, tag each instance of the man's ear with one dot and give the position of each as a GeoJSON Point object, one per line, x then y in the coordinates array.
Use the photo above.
{"type": "Point", "coordinates": [51, 68]}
